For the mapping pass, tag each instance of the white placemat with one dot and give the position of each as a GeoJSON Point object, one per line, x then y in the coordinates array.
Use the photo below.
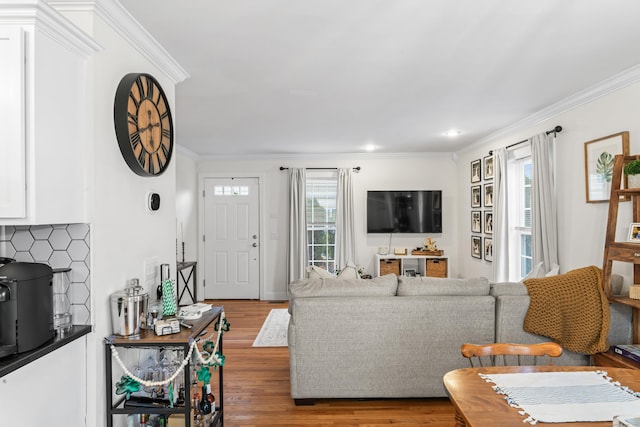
{"type": "Point", "coordinates": [556, 397]}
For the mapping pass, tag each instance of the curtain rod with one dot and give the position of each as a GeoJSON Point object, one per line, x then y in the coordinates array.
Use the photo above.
{"type": "Point", "coordinates": [357, 168]}
{"type": "Point", "coordinates": [554, 131]}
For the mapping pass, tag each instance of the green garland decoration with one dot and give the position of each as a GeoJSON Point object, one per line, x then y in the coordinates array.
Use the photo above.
{"type": "Point", "coordinates": [204, 374]}
{"type": "Point", "coordinates": [225, 325]}
{"type": "Point", "coordinates": [126, 386]}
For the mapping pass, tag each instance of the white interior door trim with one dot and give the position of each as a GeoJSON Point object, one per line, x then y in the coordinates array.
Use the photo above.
{"type": "Point", "coordinates": [202, 176]}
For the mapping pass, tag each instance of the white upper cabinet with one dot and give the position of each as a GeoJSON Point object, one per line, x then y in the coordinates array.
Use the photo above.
{"type": "Point", "coordinates": [45, 116]}
{"type": "Point", "coordinates": [13, 203]}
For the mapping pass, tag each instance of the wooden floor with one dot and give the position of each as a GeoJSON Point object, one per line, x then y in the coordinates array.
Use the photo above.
{"type": "Point", "coordinates": [256, 385]}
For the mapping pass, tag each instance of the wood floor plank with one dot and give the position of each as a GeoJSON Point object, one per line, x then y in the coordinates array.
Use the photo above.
{"type": "Point", "coordinates": [257, 388]}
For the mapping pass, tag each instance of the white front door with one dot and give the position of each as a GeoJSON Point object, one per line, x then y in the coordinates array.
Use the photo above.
{"type": "Point", "coordinates": [231, 239]}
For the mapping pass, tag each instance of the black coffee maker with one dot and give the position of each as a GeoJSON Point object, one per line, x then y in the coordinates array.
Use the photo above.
{"type": "Point", "coordinates": [26, 306]}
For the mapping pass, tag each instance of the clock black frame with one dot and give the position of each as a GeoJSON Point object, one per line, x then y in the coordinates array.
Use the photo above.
{"type": "Point", "coordinates": [133, 90]}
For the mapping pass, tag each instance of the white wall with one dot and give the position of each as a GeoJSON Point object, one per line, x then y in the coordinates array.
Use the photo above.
{"type": "Point", "coordinates": [124, 234]}
{"type": "Point", "coordinates": [399, 172]}
{"type": "Point", "coordinates": [581, 225]}
{"type": "Point", "coordinates": [186, 205]}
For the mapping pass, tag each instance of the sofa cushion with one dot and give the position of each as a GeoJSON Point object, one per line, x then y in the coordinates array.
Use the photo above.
{"type": "Point", "coordinates": [333, 287]}
{"type": "Point", "coordinates": [508, 288]}
{"type": "Point", "coordinates": [412, 286]}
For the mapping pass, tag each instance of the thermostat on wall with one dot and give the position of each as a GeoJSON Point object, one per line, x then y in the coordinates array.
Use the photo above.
{"type": "Point", "coordinates": [153, 201]}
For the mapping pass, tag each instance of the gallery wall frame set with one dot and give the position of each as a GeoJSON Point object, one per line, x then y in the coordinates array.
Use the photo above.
{"type": "Point", "coordinates": [598, 164]}
{"type": "Point", "coordinates": [482, 195]}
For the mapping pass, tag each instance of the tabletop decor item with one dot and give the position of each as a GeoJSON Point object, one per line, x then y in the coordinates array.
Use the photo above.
{"type": "Point", "coordinates": [632, 172]}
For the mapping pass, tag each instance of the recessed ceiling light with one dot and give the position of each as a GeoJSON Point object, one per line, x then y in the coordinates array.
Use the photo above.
{"type": "Point", "coordinates": [452, 132]}
{"type": "Point", "coordinates": [370, 147]}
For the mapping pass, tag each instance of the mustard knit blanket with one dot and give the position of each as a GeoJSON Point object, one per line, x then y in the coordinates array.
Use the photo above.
{"type": "Point", "coordinates": [571, 309]}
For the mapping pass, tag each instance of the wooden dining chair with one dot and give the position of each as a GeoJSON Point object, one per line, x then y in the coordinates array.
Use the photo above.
{"type": "Point", "coordinates": [509, 354]}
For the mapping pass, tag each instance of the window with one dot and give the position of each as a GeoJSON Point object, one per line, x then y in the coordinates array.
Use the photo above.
{"type": "Point", "coordinates": [322, 189]}
{"type": "Point", "coordinates": [520, 174]}
{"type": "Point", "coordinates": [231, 190]}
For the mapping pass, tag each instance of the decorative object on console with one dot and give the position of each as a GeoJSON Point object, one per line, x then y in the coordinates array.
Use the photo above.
{"type": "Point", "coordinates": [430, 244]}
{"type": "Point", "coordinates": [400, 251]}
{"type": "Point", "coordinates": [598, 164]}
{"type": "Point", "coordinates": [143, 124]}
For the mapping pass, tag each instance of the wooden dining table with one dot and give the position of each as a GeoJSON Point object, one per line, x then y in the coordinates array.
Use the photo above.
{"type": "Point", "coordinates": [478, 405]}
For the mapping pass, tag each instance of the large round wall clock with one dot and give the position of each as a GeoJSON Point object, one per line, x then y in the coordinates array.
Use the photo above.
{"type": "Point", "coordinates": [143, 123]}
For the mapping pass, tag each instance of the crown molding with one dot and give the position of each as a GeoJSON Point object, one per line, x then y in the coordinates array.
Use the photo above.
{"type": "Point", "coordinates": [123, 23]}
{"type": "Point", "coordinates": [605, 87]}
{"type": "Point", "coordinates": [47, 20]}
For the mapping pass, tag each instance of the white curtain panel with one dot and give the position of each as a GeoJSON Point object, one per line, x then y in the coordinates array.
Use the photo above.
{"type": "Point", "coordinates": [544, 227]}
{"type": "Point", "coordinates": [345, 224]}
{"type": "Point", "coordinates": [500, 217]}
{"type": "Point", "coordinates": [297, 248]}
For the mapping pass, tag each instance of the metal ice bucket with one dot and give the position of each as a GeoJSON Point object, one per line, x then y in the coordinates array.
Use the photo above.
{"type": "Point", "coordinates": [129, 311]}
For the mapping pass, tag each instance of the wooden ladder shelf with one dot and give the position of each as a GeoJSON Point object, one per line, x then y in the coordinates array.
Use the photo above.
{"type": "Point", "coordinates": [622, 251]}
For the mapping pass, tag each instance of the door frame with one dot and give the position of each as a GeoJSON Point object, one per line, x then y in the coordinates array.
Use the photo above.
{"type": "Point", "coordinates": [202, 176]}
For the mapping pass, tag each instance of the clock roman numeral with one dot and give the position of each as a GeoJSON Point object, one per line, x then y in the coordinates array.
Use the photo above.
{"type": "Point", "coordinates": [165, 149]}
{"type": "Point", "coordinates": [136, 101]}
{"type": "Point", "coordinates": [133, 119]}
{"type": "Point", "coordinates": [142, 159]}
{"type": "Point", "coordinates": [135, 139]}
{"type": "Point", "coordinates": [150, 87]}
{"type": "Point", "coordinates": [140, 86]}
{"type": "Point", "coordinates": [166, 133]}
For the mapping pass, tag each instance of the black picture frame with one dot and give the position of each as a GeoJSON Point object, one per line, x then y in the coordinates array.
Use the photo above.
{"type": "Point", "coordinates": [488, 222]}
{"type": "Point", "coordinates": [488, 195]}
{"type": "Point", "coordinates": [476, 172]}
{"type": "Point", "coordinates": [476, 221]}
{"type": "Point", "coordinates": [476, 247]}
{"type": "Point", "coordinates": [487, 167]}
{"type": "Point", "coordinates": [476, 196]}
{"type": "Point", "coordinates": [488, 249]}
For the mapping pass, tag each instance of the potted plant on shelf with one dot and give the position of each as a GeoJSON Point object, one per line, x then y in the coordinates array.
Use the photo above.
{"type": "Point", "coordinates": [632, 170]}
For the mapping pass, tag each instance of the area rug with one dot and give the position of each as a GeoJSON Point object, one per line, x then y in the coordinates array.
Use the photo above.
{"type": "Point", "coordinates": [274, 329]}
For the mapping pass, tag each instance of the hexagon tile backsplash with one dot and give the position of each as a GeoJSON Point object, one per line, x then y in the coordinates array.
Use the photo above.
{"type": "Point", "coordinates": [60, 246]}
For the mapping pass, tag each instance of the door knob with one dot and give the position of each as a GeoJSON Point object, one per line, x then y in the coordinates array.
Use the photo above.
{"type": "Point", "coordinates": [255, 245]}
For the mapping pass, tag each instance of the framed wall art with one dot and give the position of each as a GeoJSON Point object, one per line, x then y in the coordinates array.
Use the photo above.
{"type": "Point", "coordinates": [476, 222]}
{"type": "Point", "coordinates": [634, 232]}
{"type": "Point", "coordinates": [476, 198]}
{"type": "Point", "coordinates": [598, 164]}
{"type": "Point", "coordinates": [488, 249]}
{"type": "Point", "coordinates": [476, 246]}
{"type": "Point", "coordinates": [488, 167]}
{"type": "Point", "coordinates": [488, 222]}
{"type": "Point", "coordinates": [488, 195]}
{"type": "Point", "coordinates": [476, 174]}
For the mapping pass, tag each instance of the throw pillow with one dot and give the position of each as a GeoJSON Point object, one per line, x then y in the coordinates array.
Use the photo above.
{"type": "Point", "coordinates": [349, 272]}
{"type": "Point", "coordinates": [536, 272]}
{"type": "Point", "coordinates": [554, 271]}
{"type": "Point", "coordinates": [315, 272]}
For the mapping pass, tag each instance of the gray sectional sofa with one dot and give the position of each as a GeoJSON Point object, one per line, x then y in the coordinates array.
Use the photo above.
{"type": "Point", "coordinates": [396, 336]}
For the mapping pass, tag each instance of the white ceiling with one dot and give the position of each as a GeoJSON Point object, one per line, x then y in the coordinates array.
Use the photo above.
{"type": "Point", "coordinates": [273, 77]}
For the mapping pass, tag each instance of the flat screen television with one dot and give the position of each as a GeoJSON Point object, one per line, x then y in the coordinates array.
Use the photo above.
{"type": "Point", "coordinates": [404, 211]}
